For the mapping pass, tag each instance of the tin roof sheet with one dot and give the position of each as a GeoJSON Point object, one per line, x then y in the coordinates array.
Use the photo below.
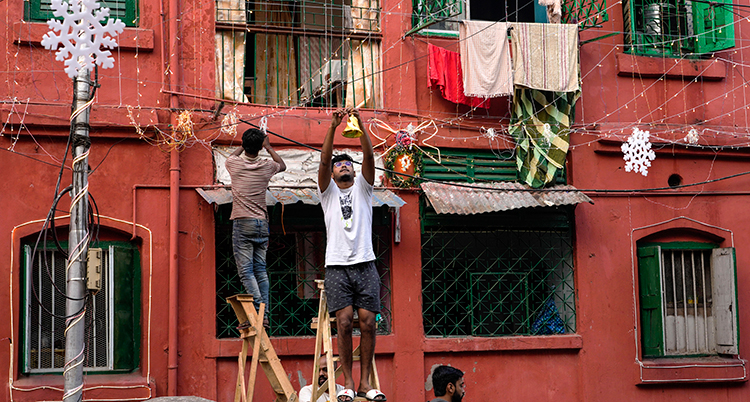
{"type": "Point", "coordinates": [287, 195]}
{"type": "Point", "coordinates": [449, 198]}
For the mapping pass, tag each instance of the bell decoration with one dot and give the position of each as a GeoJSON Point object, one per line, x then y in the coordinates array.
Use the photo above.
{"type": "Point", "coordinates": [352, 129]}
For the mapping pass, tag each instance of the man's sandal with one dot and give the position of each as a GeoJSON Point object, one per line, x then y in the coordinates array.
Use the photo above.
{"type": "Point", "coordinates": [373, 395]}
{"type": "Point", "coordinates": [345, 395]}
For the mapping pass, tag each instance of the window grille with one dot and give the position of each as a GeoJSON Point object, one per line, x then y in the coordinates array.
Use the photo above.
{"type": "Point", "coordinates": [309, 53]}
{"type": "Point", "coordinates": [497, 282]}
{"type": "Point", "coordinates": [676, 28]}
{"type": "Point", "coordinates": [687, 299]}
{"type": "Point", "coordinates": [295, 258]}
{"type": "Point", "coordinates": [44, 342]}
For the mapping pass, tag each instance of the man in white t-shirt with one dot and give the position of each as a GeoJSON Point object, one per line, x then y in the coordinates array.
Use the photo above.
{"type": "Point", "coordinates": [351, 279]}
{"type": "Point", "coordinates": [306, 392]}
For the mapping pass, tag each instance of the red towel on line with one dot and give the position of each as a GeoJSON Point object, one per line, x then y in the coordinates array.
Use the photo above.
{"type": "Point", "coordinates": [445, 73]}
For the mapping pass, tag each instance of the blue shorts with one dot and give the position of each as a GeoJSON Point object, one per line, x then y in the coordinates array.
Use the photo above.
{"type": "Point", "coordinates": [355, 285]}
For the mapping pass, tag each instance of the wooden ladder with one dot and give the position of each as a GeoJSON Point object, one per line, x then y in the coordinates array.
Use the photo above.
{"type": "Point", "coordinates": [263, 353]}
{"type": "Point", "coordinates": [322, 323]}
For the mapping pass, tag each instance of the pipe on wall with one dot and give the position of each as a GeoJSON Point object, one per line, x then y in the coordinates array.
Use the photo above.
{"type": "Point", "coordinates": [174, 202]}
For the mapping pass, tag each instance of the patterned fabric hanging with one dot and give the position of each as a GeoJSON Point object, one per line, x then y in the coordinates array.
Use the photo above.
{"type": "Point", "coordinates": [540, 124]}
{"type": "Point", "coordinates": [548, 322]}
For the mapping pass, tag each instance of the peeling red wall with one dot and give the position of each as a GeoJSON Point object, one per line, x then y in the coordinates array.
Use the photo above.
{"type": "Point", "coordinates": [131, 174]}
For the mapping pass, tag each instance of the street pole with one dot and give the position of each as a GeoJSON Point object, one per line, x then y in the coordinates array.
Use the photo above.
{"type": "Point", "coordinates": [78, 242]}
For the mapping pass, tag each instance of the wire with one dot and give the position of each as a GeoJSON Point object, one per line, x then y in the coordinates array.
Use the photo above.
{"type": "Point", "coordinates": [454, 184]}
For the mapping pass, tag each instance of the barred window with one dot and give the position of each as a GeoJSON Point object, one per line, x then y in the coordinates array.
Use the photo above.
{"type": "Point", "coordinates": [295, 258]}
{"type": "Point", "coordinates": [497, 274]}
{"type": "Point", "coordinates": [112, 319]}
{"type": "Point", "coordinates": [309, 53]}
{"type": "Point", "coordinates": [677, 28]}
{"type": "Point", "coordinates": [687, 299]}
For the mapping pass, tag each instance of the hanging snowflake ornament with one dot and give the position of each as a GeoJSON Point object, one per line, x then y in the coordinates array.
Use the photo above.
{"type": "Point", "coordinates": [82, 35]}
{"type": "Point", "coordinates": [637, 152]}
{"type": "Point", "coordinates": [692, 137]}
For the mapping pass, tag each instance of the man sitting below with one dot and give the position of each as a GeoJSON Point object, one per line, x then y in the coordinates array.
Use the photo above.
{"type": "Point", "coordinates": [306, 393]}
{"type": "Point", "coordinates": [448, 384]}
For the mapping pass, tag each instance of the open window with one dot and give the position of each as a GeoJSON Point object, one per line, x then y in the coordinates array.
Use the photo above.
{"type": "Point", "coordinates": [688, 300]}
{"type": "Point", "coordinates": [677, 28]}
{"type": "Point", "coordinates": [322, 53]}
{"type": "Point", "coordinates": [443, 16]}
{"type": "Point", "coordinates": [112, 319]}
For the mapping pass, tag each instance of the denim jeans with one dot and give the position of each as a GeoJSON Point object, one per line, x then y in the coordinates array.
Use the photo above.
{"type": "Point", "coordinates": [250, 242]}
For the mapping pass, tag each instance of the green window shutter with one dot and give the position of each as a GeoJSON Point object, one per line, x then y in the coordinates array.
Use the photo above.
{"type": "Point", "coordinates": [125, 10]}
{"type": "Point", "coordinates": [724, 306]}
{"type": "Point", "coordinates": [649, 274]}
{"type": "Point", "coordinates": [586, 13]}
{"type": "Point", "coordinates": [714, 26]}
{"type": "Point", "coordinates": [127, 305]}
{"type": "Point", "coordinates": [428, 12]}
{"type": "Point", "coordinates": [468, 166]}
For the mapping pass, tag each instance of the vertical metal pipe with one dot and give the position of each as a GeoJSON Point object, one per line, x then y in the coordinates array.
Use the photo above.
{"type": "Point", "coordinates": [78, 243]}
{"type": "Point", "coordinates": [174, 200]}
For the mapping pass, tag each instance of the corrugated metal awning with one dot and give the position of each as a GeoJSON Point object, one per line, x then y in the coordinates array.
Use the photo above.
{"type": "Point", "coordinates": [496, 196]}
{"type": "Point", "coordinates": [289, 195]}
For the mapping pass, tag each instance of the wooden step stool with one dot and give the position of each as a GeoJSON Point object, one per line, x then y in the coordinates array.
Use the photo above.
{"type": "Point", "coordinates": [322, 323]}
{"type": "Point", "coordinates": [263, 353]}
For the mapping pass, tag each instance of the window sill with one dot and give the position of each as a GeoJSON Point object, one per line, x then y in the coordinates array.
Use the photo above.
{"type": "Point", "coordinates": [630, 65]}
{"type": "Point", "coordinates": [129, 39]}
{"type": "Point", "coordinates": [472, 344]}
{"type": "Point", "coordinates": [133, 386]}
{"type": "Point", "coordinates": [693, 370]}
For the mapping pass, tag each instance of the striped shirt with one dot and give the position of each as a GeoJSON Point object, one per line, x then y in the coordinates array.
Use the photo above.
{"type": "Point", "coordinates": [250, 178]}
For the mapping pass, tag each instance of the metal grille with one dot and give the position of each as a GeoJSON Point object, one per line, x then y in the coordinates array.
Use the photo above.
{"type": "Point", "coordinates": [45, 340]}
{"type": "Point", "coordinates": [586, 13]}
{"type": "Point", "coordinates": [659, 28]}
{"type": "Point", "coordinates": [688, 322]}
{"type": "Point", "coordinates": [497, 282]}
{"type": "Point", "coordinates": [308, 53]}
{"type": "Point", "coordinates": [294, 260]}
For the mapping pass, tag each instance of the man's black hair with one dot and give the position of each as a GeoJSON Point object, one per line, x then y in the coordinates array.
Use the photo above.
{"type": "Point", "coordinates": [444, 375]}
{"type": "Point", "coordinates": [339, 158]}
{"type": "Point", "coordinates": [252, 140]}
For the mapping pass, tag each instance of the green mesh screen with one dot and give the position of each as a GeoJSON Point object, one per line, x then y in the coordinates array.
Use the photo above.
{"type": "Point", "coordinates": [294, 260]}
{"type": "Point", "coordinates": [497, 282]}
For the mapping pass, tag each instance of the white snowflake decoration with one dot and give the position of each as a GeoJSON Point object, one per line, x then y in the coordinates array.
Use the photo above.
{"type": "Point", "coordinates": [637, 152]}
{"type": "Point", "coordinates": [692, 137]}
{"type": "Point", "coordinates": [549, 136]}
{"type": "Point", "coordinates": [82, 35]}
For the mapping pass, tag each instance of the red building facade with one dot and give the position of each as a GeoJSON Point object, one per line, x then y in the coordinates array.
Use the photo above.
{"type": "Point", "coordinates": [646, 282]}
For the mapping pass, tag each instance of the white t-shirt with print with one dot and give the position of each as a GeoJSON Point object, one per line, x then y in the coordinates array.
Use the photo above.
{"type": "Point", "coordinates": [305, 394]}
{"type": "Point", "coordinates": [348, 217]}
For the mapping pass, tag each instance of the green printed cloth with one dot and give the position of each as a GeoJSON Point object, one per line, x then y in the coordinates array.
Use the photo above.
{"type": "Point", "coordinates": [540, 124]}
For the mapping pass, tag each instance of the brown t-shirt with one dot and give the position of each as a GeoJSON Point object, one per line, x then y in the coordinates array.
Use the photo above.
{"type": "Point", "coordinates": [250, 178]}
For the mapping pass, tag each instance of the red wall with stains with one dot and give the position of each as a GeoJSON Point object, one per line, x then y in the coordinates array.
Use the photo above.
{"type": "Point", "coordinates": [131, 177]}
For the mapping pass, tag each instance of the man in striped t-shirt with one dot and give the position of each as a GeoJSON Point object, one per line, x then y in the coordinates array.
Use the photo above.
{"type": "Point", "coordinates": [250, 175]}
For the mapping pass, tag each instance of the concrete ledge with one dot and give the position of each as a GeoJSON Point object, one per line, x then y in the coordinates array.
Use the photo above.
{"type": "Point", "coordinates": [654, 67]}
{"type": "Point", "coordinates": [129, 39]}
{"type": "Point", "coordinates": [473, 344]}
{"type": "Point", "coordinates": [693, 370]}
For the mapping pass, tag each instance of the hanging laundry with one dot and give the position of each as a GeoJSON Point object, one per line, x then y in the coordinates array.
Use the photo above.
{"type": "Point", "coordinates": [554, 10]}
{"type": "Point", "coordinates": [485, 58]}
{"type": "Point", "coordinates": [540, 124]}
{"type": "Point", "coordinates": [446, 75]}
{"type": "Point", "coordinates": [545, 56]}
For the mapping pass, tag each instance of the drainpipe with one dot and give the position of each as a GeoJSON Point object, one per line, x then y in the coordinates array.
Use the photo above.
{"type": "Point", "coordinates": [174, 200]}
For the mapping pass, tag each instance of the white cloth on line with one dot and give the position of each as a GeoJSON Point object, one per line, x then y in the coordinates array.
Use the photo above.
{"type": "Point", "coordinates": [485, 58]}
